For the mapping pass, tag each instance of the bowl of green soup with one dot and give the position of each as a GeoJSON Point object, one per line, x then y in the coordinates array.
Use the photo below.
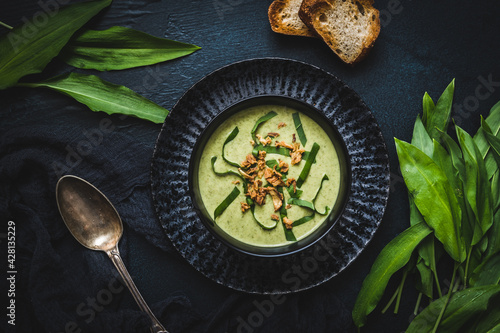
{"type": "Point", "coordinates": [269, 176]}
{"type": "Point", "coordinates": [269, 166]}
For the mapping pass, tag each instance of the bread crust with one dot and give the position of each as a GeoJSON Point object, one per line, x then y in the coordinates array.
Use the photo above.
{"type": "Point", "coordinates": [276, 21]}
{"type": "Point", "coordinates": [311, 11]}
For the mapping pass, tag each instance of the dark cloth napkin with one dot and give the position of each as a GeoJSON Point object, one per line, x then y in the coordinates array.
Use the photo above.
{"type": "Point", "coordinates": [62, 286]}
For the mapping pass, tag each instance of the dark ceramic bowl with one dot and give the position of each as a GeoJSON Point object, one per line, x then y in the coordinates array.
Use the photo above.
{"type": "Point", "coordinates": [291, 247]}
{"type": "Point", "coordinates": [342, 239]}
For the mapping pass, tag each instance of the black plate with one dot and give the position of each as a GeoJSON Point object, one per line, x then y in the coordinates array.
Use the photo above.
{"type": "Point", "coordinates": [270, 77]}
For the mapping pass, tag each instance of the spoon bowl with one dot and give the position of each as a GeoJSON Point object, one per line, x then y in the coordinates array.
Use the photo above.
{"type": "Point", "coordinates": [94, 222]}
{"type": "Point", "coordinates": [88, 214]}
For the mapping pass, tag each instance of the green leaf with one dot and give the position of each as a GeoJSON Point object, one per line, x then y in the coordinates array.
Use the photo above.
{"type": "Point", "coordinates": [428, 107]}
{"type": "Point", "coordinates": [455, 153]}
{"type": "Point", "coordinates": [427, 257]}
{"type": "Point", "coordinates": [494, 236]}
{"type": "Point", "coordinates": [24, 54]}
{"type": "Point", "coordinates": [120, 48]}
{"type": "Point", "coordinates": [439, 118]}
{"type": "Point", "coordinates": [226, 202]}
{"type": "Point", "coordinates": [393, 257]}
{"type": "Point", "coordinates": [444, 160]}
{"type": "Point", "coordinates": [489, 321]}
{"type": "Point", "coordinates": [433, 197]}
{"type": "Point", "coordinates": [495, 191]}
{"type": "Point", "coordinates": [259, 121]}
{"type": "Point", "coordinates": [463, 306]}
{"type": "Point", "coordinates": [298, 127]}
{"type": "Point", "coordinates": [477, 187]}
{"type": "Point", "coordinates": [426, 282]}
{"type": "Point", "coordinates": [307, 167]}
{"type": "Point", "coordinates": [493, 141]}
{"type": "Point", "coordinates": [100, 95]}
{"type": "Point", "coordinates": [421, 138]}
{"type": "Point", "coordinates": [488, 272]}
{"type": "Point", "coordinates": [493, 122]}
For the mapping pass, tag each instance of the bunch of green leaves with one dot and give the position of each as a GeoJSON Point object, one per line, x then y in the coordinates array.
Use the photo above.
{"type": "Point", "coordinates": [454, 195]}
{"type": "Point", "coordinates": [63, 34]}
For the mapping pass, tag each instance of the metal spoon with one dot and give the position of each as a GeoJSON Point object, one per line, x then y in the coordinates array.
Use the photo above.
{"type": "Point", "coordinates": [95, 223]}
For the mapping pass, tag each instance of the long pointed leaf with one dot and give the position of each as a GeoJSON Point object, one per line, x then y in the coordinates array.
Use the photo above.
{"type": "Point", "coordinates": [428, 107]}
{"type": "Point", "coordinates": [393, 257]}
{"type": "Point", "coordinates": [100, 95]}
{"type": "Point", "coordinates": [477, 187]}
{"type": "Point", "coordinates": [493, 121]}
{"type": "Point", "coordinates": [494, 236]}
{"type": "Point", "coordinates": [433, 197]}
{"type": "Point", "coordinates": [120, 48]}
{"type": "Point", "coordinates": [27, 53]}
{"type": "Point", "coordinates": [463, 306]}
{"type": "Point", "coordinates": [440, 117]}
{"type": "Point", "coordinates": [421, 138]}
{"type": "Point", "coordinates": [488, 272]}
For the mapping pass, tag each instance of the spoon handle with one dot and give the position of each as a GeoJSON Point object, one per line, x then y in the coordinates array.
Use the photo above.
{"type": "Point", "coordinates": [114, 255]}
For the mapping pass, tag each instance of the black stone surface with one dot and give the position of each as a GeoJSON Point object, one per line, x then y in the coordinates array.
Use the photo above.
{"type": "Point", "coordinates": [423, 45]}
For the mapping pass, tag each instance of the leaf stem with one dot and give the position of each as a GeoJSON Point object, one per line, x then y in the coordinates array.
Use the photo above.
{"type": "Point", "coordinates": [6, 25]}
{"type": "Point", "coordinates": [448, 296]}
{"type": "Point", "coordinates": [391, 300]}
{"type": "Point", "coordinates": [467, 266]}
{"type": "Point", "coordinates": [417, 305]}
{"type": "Point", "coordinates": [434, 271]}
{"type": "Point", "coordinates": [401, 285]}
{"type": "Point", "coordinates": [397, 295]}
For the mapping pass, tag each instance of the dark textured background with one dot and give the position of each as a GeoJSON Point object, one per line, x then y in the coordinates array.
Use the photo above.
{"type": "Point", "coordinates": [422, 46]}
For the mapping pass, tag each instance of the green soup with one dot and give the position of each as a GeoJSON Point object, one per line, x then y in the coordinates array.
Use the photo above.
{"type": "Point", "coordinates": [214, 189]}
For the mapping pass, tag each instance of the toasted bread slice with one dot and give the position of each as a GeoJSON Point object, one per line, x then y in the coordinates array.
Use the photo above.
{"type": "Point", "coordinates": [349, 27]}
{"type": "Point", "coordinates": [284, 18]}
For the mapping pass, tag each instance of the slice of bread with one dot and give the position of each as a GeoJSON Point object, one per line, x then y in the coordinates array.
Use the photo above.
{"type": "Point", "coordinates": [349, 27]}
{"type": "Point", "coordinates": [284, 18]}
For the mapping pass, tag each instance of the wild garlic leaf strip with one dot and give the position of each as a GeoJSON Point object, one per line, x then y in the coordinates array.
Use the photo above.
{"type": "Point", "coordinates": [289, 235]}
{"type": "Point", "coordinates": [22, 55]}
{"type": "Point", "coordinates": [307, 166]}
{"type": "Point", "coordinates": [226, 202]}
{"type": "Point", "coordinates": [264, 226]}
{"type": "Point", "coordinates": [120, 48]}
{"type": "Point", "coordinates": [299, 128]}
{"type": "Point", "coordinates": [230, 138]}
{"type": "Point", "coordinates": [225, 173]}
{"type": "Point", "coordinates": [260, 121]}
{"type": "Point", "coordinates": [327, 209]}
